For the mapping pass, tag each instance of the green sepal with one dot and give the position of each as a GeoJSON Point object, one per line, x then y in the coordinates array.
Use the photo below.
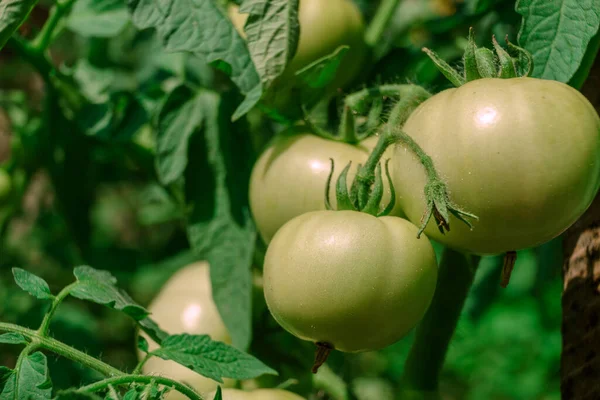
{"type": "Point", "coordinates": [470, 61]}
{"type": "Point", "coordinates": [372, 206]}
{"type": "Point", "coordinates": [486, 62]}
{"type": "Point", "coordinates": [523, 59]}
{"type": "Point", "coordinates": [390, 206]}
{"type": "Point", "coordinates": [507, 65]}
{"type": "Point", "coordinates": [354, 190]}
{"type": "Point", "coordinates": [347, 130]}
{"type": "Point", "coordinates": [450, 73]}
{"type": "Point", "coordinates": [328, 186]}
{"type": "Point", "coordinates": [341, 190]}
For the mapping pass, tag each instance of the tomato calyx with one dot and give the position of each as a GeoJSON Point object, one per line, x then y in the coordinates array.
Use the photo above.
{"type": "Point", "coordinates": [480, 62]}
{"type": "Point", "coordinates": [321, 354]}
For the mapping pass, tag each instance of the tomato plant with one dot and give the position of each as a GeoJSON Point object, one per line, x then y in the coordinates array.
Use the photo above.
{"type": "Point", "coordinates": [259, 394]}
{"type": "Point", "coordinates": [348, 279]}
{"type": "Point", "coordinates": [185, 305]}
{"type": "Point", "coordinates": [522, 154]}
{"type": "Point", "coordinates": [289, 177]}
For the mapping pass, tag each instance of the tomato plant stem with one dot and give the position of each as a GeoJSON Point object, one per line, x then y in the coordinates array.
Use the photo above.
{"type": "Point", "coordinates": [36, 58]}
{"type": "Point", "coordinates": [380, 21]}
{"type": "Point", "coordinates": [44, 38]}
{"type": "Point", "coordinates": [426, 357]}
{"type": "Point", "coordinates": [62, 349]}
{"type": "Point", "coordinates": [126, 379]}
{"type": "Point", "coordinates": [43, 330]}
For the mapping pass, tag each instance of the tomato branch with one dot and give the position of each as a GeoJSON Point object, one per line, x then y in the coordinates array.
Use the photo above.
{"type": "Point", "coordinates": [146, 379]}
{"type": "Point", "coordinates": [44, 38]}
{"type": "Point", "coordinates": [62, 349]}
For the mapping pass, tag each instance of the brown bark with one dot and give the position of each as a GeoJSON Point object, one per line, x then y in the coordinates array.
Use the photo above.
{"type": "Point", "coordinates": [580, 365]}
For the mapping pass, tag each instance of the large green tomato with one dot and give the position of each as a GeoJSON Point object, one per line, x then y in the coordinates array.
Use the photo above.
{"type": "Point", "coordinates": [349, 279]}
{"type": "Point", "coordinates": [522, 154]}
{"type": "Point", "coordinates": [259, 394]}
{"type": "Point", "coordinates": [324, 26]}
{"type": "Point", "coordinates": [290, 176]}
{"type": "Point", "coordinates": [185, 305]}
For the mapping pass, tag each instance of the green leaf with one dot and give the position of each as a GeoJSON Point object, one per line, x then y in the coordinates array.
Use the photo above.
{"type": "Point", "coordinates": [100, 287]}
{"type": "Point", "coordinates": [180, 116]}
{"type": "Point", "coordinates": [218, 394]}
{"type": "Point", "coordinates": [220, 228]}
{"type": "Point", "coordinates": [32, 284]}
{"type": "Point", "coordinates": [117, 119]}
{"type": "Point", "coordinates": [200, 27]}
{"type": "Point", "coordinates": [73, 394]}
{"type": "Point", "coordinates": [12, 338]}
{"type": "Point", "coordinates": [152, 329]}
{"type": "Point", "coordinates": [214, 360]}
{"type": "Point", "coordinates": [272, 31]}
{"type": "Point", "coordinates": [30, 382]}
{"type": "Point", "coordinates": [12, 14]}
{"type": "Point", "coordinates": [557, 34]}
{"type": "Point", "coordinates": [5, 374]}
{"type": "Point", "coordinates": [321, 72]}
{"type": "Point", "coordinates": [98, 18]}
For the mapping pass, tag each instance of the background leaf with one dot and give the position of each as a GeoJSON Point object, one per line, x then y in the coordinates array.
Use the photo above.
{"type": "Point", "coordinates": [272, 30]}
{"type": "Point", "coordinates": [98, 18]}
{"type": "Point", "coordinates": [557, 33]}
{"type": "Point", "coordinates": [12, 14]}
{"type": "Point", "coordinates": [199, 26]}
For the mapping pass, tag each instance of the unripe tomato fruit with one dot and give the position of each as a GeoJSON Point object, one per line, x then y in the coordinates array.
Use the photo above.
{"type": "Point", "coordinates": [185, 305]}
{"type": "Point", "coordinates": [349, 279]}
{"type": "Point", "coordinates": [5, 185]}
{"type": "Point", "coordinates": [522, 154]}
{"type": "Point", "coordinates": [325, 25]}
{"type": "Point", "coordinates": [290, 176]}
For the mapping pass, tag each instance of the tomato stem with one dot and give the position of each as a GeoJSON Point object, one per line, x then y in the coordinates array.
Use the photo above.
{"type": "Point", "coordinates": [44, 38]}
{"type": "Point", "coordinates": [146, 379]}
{"type": "Point", "coordinates": [433, 334]}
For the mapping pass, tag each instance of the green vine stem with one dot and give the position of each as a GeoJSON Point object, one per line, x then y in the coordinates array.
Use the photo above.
{"type": "Point", "coordinates": [43, 329]}
{"type": "Point", "coordinates": [439, 204]}
{"type": "Point", "coordinates": [433, 334]}
{"type": "Point", "coordinates": [122, 380]}
{"type": "Point", "coordinates": [36, 58]}
{"type": "Point", "coordinates": [380, 21]}
{"type": "Point", "coordinates": [115, 376]}
{"type": "Point", "coordinates": [44, 38]}
{"type": "Point", "coordinates": [62, 349]}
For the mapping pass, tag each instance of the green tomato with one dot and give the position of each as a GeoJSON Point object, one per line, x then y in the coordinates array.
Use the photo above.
{"type": "Point", "coordinates": [349, 279]}
{"type": "Point", "coordinates": [324, 26]}
{"type": "Point", "coordinates": [5, 185]}
{"type": "Point", "coordinates": [522, 154]}
{"type": "Point", "coordinates": [290, 177]}
{"type": "Point", "coordinates": [259, 394]}
{"type": "Point", "coordinates": [185, 305]}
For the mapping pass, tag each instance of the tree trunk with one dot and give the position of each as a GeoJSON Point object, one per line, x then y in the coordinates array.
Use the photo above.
{"type": "Point", "coordinates": [580, 365]}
